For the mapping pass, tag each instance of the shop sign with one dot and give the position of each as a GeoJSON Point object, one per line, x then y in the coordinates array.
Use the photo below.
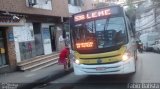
{"type": "Point", "coordinates": [10, 36]}
{"type": "Point", "coordinates": [11, 21]}
{"type": "Point", "coordinates": [46, 33]}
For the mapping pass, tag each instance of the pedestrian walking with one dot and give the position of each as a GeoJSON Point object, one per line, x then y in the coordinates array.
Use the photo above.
{"type": "Point", "coordinates": [64, 58]}
{"type": "Point", "coordinates": [61, 43]}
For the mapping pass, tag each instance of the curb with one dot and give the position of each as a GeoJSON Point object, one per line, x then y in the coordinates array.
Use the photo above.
{"type": "Point", "coordinates": [45, 80]}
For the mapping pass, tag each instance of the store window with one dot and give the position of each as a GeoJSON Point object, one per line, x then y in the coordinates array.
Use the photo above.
{"type": "Point", "coordinates": [75, 2]}
{"type": "Point", "coordinates": [2, 49]}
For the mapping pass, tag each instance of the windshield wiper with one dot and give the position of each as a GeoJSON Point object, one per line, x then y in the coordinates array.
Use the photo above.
{"type": "Point", "coordinates": [119, 43]}
{"type": "Point", "coordinates": [106, 24]}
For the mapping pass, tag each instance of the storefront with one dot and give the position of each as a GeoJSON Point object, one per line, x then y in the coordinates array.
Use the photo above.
{"type": "Point", "coordinates": [25, 37]}
{"type": "Point", "coordinates": [37, 37]}
{"type": "Point", "coordinates": [7, 46]}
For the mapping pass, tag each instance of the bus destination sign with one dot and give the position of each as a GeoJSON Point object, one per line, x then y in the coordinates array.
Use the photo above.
{"type": "Point", "coordinates": [92, 14]}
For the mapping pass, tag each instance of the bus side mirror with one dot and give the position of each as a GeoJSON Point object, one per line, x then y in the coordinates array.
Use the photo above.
{"type": "Point", "coordinates": [132, 36]}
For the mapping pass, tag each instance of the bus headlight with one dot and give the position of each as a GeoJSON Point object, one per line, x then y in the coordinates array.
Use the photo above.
{"type": "Point", "coordinates": [77, 61]}
{"type": "Point", "coordinates": [126, 56]}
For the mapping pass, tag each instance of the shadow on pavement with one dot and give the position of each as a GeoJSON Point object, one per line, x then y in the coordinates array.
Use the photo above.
{"type": "Point", "coordinates": [43, 81]}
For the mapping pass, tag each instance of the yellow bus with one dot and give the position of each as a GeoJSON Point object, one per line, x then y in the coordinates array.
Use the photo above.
{"type": "Point", "coordinates": [103, 42]}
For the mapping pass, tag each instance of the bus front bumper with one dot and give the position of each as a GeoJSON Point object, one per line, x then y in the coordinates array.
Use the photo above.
{"type": "Point", "coordinates": [122, 67]}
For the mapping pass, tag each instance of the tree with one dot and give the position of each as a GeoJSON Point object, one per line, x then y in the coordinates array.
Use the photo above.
{"type": "Point", "coordinates": [131, 12]}
{"type": "Point", "coordinates": [101, 5]}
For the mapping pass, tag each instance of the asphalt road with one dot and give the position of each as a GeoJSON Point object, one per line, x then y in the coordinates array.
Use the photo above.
{"type": "Point", "coordinates": [147, 76]}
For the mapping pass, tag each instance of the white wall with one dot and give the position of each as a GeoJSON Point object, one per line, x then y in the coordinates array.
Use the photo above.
{"type": "Point", "coordinates": [22, 34]}
{"type": "Point", "coordinates": [26, 33]}
{"type": "Point", "coordinates": [46, 41]}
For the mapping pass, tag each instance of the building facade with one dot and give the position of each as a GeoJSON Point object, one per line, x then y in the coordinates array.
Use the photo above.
{"type": "Point", "coordinates": [110, 2]}
{"type": "Point", "coordinates": [145, 21]}
{"type": "Point", "coordinates": [87, 5]}
{"type": "Point", "coordinates": [76, 6]}
{"type": "Point", "coordinates": [148, 17]}
{"type": "Point", "coordinates": [29, 28]}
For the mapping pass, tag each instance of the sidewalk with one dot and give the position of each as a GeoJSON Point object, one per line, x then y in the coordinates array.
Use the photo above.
{"type": "Point", "coordinates": [29, 79]}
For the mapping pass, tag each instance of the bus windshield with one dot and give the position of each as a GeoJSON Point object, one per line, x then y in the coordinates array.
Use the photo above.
{"type": "Point", "coordinates": [99, 33]}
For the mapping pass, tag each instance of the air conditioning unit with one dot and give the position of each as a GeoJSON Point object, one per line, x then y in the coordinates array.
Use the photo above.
{"type": "Point", "coordinates": [31, 3]}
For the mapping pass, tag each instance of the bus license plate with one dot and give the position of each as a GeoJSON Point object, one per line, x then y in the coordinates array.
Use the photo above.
{"type": "Point", "coordinates": [100, 68]}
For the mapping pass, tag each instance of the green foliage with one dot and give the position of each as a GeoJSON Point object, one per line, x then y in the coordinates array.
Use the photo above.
{"type": "Point", "coordinates": [101, 5]}
{"type": "Point", "coordinates": [130, 5]}
{"type": "Point", "coordinates": [131, 11]}
{"type": "Point", "coordinates": [131, 8]}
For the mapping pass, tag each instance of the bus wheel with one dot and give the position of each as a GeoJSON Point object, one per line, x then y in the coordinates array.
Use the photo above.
{"type": "Point", "coordinates": [135, 65]}
{"type": "Point", "coordinates": [158, 50]}
{"type": "Point", "coordinates": [135, 60]}
{"type": "Point", "coordinates": [135, 55]}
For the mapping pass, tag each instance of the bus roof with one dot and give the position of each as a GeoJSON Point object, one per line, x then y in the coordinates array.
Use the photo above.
{"type": "Point", "coordinates": [117, 6]}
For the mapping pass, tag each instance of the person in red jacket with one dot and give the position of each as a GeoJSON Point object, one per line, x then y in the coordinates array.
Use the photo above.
{"type": "Point", "coordinates": [64, 58]}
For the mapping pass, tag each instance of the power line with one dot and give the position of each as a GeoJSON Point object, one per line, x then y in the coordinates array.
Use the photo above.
{"type": "Point", "coordinates": [145, 24]}
{"type": "Point", "coordinates": [149, 26]}
{"type": "Point", "coordinates": [150, 7]}
{"type": "Point", "coordinates": [147, 16]}
{"type": "Point", "coordinates": [157, 12]}
{"type": "Point", "coordinates": [150, 14]}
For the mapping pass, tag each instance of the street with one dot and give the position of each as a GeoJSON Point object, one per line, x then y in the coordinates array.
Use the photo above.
{"type": "Point", "coordinates": [147, 71]}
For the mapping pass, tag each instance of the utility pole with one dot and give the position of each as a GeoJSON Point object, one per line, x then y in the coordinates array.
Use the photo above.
{"type": "Point", "coordinates": [156, 14]}
{"type": "Point", "coordinates": [154, 11]}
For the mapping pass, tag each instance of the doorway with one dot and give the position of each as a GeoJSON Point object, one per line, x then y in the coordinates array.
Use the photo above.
{"type": "Point", "coordinates": [53, 37]}
{"type": "Point", "coordinates": [3, 59]}
{"type": "Point", "coordinates": [38, 39]}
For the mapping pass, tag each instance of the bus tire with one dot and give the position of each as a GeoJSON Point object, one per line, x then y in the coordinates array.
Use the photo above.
{"type": "Point", "coordinates": [135, 65]}
{"type": "Point", "coordinates": [135, 60]}
{"type": "Point", "coordinates": [135, 55]}
{"type": "Point", "coordinates": [158, 50]}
